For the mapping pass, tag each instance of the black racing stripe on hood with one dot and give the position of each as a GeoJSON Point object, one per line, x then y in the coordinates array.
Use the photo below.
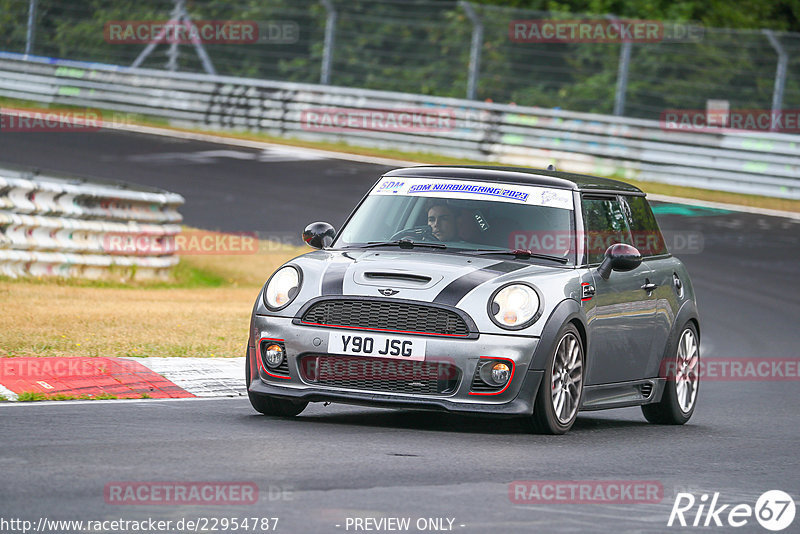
{"type": "Point", "coordinates": [506, 267]}
{"type": "Point", "coordinates": [458, 288]}
{"type": "Point", "coordinates": [333, 279]}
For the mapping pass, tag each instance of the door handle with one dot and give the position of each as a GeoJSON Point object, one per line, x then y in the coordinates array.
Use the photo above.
{"type": "Point", "coordinates": [649, 286]}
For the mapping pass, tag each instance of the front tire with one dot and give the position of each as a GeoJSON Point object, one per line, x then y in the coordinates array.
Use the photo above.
{"type": "Point", "coordinates": [683, 380]}
{"type": "Point", "coordinates": [559, 397]}
{"type": "Point", "coordinates": [270, 405]}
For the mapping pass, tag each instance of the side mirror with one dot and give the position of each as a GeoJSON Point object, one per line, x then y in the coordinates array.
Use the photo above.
{"type": "Point", "coordinates": [619, 257]}
{"type": "Point", "coordinates": [319, 234]}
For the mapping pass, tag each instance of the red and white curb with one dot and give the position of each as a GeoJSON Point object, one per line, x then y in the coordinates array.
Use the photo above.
{"type": "Point", "coordinates": [122, 378]}
{"type": "Point", "coordinates": [7, 393]}
{"type": "Point", "coordinates": [202, 377]}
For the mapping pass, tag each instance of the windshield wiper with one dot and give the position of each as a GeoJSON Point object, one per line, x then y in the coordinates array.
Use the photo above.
{"type": "Point", "coordinates": [403, 243]}
{"type": "Point", "coordinates": [520, 253]}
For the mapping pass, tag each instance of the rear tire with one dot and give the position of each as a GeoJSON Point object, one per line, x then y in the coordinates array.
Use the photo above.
{"type": "Point", "coordinates": [556, 408]}
{"type": "Point", "coordinates": [683, 380]}
{"type": "Point", "coordinates": [270, 405]}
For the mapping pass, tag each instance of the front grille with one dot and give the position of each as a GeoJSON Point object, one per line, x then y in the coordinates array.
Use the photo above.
{"type": "Point", "coordinates": [380, 374]}
{"type": "Point", "coordinates": [387, 315]}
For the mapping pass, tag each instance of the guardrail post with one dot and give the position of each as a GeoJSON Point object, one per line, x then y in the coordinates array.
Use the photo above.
{"type": "Point", "coordinates": [475, 49]}
{"type": "Point", "coordinates": [622, 75]}
{"type": "Point", "coordinates": [31, 28]}
{"type": "Point", "coordinates": [780, 76]}
{"type": "Point", "coordinates": [330, 37]}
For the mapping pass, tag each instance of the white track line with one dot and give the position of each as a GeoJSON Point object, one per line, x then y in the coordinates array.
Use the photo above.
{"type": "Point", "coordinates": [248, 143]}
{"type": "Point", "coordinates": [110, 401]}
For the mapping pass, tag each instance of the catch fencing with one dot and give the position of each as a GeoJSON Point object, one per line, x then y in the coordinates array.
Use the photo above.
{"type": "Point", "coordinates": [447, 48]}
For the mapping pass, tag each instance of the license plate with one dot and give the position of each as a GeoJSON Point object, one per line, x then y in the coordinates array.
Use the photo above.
{"type": "Point", "coordinates": [378, 345]}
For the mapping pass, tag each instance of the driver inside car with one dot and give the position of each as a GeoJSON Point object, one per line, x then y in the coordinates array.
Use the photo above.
{"type": "Point", "coordinates": [442, 219]}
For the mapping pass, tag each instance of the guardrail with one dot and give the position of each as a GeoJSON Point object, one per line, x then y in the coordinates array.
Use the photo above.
{"type": "Point", "coordinates": [54, 226]}
{"type": "Point", "coordinates": [761, 163]}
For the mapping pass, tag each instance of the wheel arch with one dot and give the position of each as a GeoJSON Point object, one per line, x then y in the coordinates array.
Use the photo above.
{"type": "Point", "coordinates": [567, 311]}
{"type": "Point", "coordinates": [686, 314]}
{"type": "Point", "coordinates": [581, 331]}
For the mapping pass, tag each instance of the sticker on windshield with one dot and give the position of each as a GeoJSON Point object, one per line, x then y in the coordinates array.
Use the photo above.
{"type": "Point", "coordinates": [469, 190]}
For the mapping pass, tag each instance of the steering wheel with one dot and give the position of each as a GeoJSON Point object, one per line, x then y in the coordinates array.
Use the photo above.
{"type": "Point", "coordinates": [416, 233]}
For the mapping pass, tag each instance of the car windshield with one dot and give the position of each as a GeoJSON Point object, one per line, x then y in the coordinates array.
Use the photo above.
{"type": "Point", "coordinates": [464, 216]}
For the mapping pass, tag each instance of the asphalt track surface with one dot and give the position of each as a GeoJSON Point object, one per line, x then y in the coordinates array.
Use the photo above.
{"type": "Point", "coordinates": [337, 462]}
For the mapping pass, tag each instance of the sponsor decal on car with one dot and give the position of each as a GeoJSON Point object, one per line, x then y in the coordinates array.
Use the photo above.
{"type": "Point", "coordinates": [476, 190]}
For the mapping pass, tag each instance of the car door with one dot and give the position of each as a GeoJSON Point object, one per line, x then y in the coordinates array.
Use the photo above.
{"type": "Point", "coordinates": [647, 238]}
{"type": "Point", "coordinates": [621, 320]}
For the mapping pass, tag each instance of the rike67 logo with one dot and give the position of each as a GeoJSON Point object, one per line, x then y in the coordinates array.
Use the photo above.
{"type": "Point", "coordinates": [774, 510]}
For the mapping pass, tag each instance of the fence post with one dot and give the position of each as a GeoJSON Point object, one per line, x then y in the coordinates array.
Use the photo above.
{"type": "Point", "coordinates": [173, 52]}
{"type": "Point", "coordinates": [327, 53]}
{"type": "Point", "coordinates": [31, 28]}
{"type": "Point", "coordinates": [622, 75]}
{"type": "Point", "coordinates": [178, 16]}
{"type": "Point", "coordinates": [475, 49]}
{"type": "Point", "coordinates": [780, 77]}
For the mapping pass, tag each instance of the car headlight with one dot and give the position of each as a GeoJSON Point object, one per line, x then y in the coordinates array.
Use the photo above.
{"type": "Point", "coordinates": [282, 287]}
{"type": "Point", "coordinates": [514, 306]}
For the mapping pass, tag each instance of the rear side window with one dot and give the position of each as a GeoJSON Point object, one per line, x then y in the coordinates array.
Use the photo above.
{"type": "Point", "coordinates": [605, 224]}
{"type": "Point", "coordinates": [646, 234]}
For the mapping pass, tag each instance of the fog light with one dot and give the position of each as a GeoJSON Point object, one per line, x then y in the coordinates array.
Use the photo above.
{"type": "Point", "coordinates": [273, 355]}
{"type": "Point", "coordinates": [500, 373]}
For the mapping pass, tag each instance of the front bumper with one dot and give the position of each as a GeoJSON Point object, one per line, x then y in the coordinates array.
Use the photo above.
{"type": "Point", "coordinates": [462, 354]}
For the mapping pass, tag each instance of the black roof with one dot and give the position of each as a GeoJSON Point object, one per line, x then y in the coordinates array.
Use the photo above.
{"type": "Point", "coordinates": [521, 175]}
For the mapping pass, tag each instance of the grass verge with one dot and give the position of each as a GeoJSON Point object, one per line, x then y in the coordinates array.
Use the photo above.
{"type": "Point", "coordinates": [60, 320]}
{"type": "Point", "coordinates": [755, 201]}
{"type": "Point", "coordinates": [203, 312]}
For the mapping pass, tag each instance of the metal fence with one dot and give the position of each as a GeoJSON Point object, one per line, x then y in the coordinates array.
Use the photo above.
{"type": "Point", "coordinates": [432, 47]}
{"type": "Point", "coordinates": [764, 163]}
{"type": "Point", "coordinates": [57, 226]}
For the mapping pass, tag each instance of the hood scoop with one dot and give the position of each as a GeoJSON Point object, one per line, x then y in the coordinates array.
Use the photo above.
{"type": "Point", "coordinates": [396, 279]}
{"type": "Point", "coordinates": [393, 277]}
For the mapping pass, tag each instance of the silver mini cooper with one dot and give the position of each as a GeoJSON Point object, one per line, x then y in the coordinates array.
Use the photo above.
{"type": "Point", "coordinates": [482, 290]}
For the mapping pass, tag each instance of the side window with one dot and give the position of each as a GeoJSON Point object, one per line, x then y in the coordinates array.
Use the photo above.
{"type": "Point", "coordinates": [644, 227]}
{"type": "Point", "coordinates": [605, 224]}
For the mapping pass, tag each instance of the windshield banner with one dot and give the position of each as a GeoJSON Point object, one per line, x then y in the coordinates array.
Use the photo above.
{"type": "Point", "coordinates": [474, 190]}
